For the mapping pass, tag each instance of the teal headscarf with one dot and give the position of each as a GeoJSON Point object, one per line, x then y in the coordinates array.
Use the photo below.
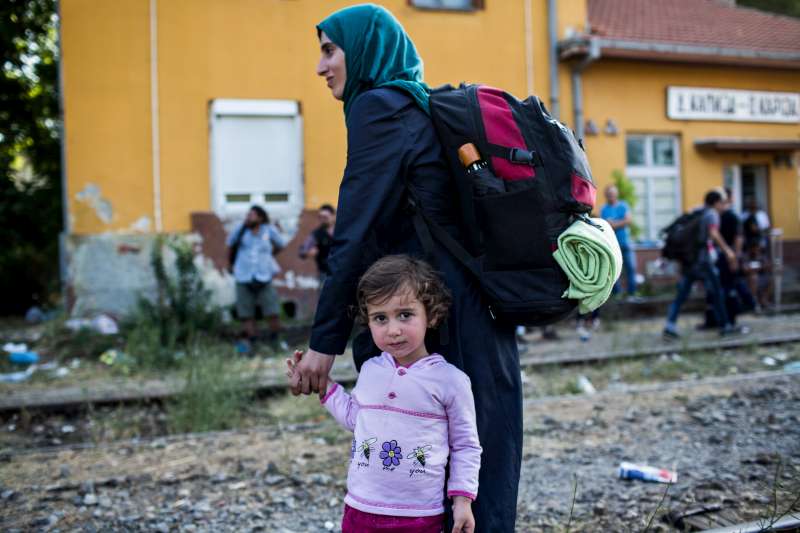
{"type": "Point", "coordinates": [377, 52]}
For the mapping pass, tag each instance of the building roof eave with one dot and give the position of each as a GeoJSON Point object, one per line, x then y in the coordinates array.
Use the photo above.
{"type": "Point", "coordinates": [742, 144]}
{"type": "Point", "coordinates": [678, 53]}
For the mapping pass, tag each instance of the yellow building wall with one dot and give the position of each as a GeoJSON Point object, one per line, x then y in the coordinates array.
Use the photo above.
{"type": "Point", "coordinates": [260, 49]}
{"type": "Point", "coordinates": [633, 94]}
{"type": "Point", "coordinates": [105, 52]}
{"type": "Point", "coordinates": [267, 49]}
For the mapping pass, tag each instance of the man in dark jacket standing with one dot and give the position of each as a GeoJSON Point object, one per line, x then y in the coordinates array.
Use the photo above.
{"type": "Point", "coordinates": [319, 242]}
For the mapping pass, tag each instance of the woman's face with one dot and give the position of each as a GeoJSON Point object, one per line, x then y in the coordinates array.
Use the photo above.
{"type": "Point", "coordinates": [331, 66]}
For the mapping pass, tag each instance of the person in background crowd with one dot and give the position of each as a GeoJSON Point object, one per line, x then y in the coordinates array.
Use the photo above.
{"type": "Point", "coordinates": [756, 247]}
{"type": "Point", "coordinates": [704, 268]}
{"type": "Point", "coordinates": [319, 242]}
{"type": "Point", "coordinates": [737, 296]}
{"type": "Point", "coordinates": [253, 245]}
{"type": "Point", "coordinates": [618, 214]}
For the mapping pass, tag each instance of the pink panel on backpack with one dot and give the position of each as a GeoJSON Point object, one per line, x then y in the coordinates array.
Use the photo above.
{"type": "Point", "coordinates": [583, 190]}
{"type": "Point", "coordinates": [502, 129]}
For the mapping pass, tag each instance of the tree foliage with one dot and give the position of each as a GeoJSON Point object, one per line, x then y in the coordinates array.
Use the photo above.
{"type": "Point", "coordinates": [30, 154]}
{"type": "Point", "coordinates": [781, 7]}
{"type": "Point", "coordinates": [627, 193]}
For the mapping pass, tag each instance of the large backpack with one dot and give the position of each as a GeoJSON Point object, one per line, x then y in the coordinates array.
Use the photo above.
{"type": "Point", "coordinates": [683, 238]}
{"type": "Point", "coordinates": [510, 237]}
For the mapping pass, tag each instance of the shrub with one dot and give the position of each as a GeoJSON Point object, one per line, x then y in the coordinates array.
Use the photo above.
{"type": "Point", "coordinates": [160, 330]}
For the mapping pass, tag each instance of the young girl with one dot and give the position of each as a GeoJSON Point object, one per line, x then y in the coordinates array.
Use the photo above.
{"type": "Point", "coordinates": [410, 411]}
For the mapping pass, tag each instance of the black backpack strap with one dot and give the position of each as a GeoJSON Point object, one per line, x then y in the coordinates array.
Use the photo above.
{"type": "Point", "coordinates": [428, 231]}
{"type": "Point", "coordinates": [234, 251]}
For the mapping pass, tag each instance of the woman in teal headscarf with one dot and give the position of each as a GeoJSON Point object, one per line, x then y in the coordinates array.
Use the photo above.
{"type": "Point", "coordinates": [381, 54]}
{"type": "Point", "coordinates": [370, 64]}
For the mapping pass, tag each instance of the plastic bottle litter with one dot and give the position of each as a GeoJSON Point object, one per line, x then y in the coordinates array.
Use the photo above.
{"type": "Point", "coordinates": [18, 377]}
{"type": "Point", "coordinates": [103, 324]}
{"type": "Point", "coordinates": [585, 385]}
{"type": "Point", "coordinates": [11, 347]}
{"type": "Point", "coordinates": [647, 473]}
{"type": "Point", "coordinates": [792, 367]}
{"type": "Point", "coordinates": [23, 358]}
{"type": "Point", "coordinates": [769, 361]}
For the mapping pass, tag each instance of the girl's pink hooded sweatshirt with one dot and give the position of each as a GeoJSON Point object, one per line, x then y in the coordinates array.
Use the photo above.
{"type": "Point", "coordinates": [406, 422]}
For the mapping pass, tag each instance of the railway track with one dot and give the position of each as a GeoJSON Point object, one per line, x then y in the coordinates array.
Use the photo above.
{"type": "Point", "coordinates": [133, 391]}
{"type": "Point", "coordinates": [628, 390]}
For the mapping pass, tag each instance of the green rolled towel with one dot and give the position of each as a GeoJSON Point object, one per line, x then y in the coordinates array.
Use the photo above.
{"type": "Point", "coordinates": [590, 256]}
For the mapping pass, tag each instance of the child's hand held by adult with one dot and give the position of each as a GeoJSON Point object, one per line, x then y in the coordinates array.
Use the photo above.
{"type": "Point", "coordinates": [311, 373]}
{"type": "Point", "coordinates": [291, 363]}
{"type": "Point", "coordinates": [463, 520]}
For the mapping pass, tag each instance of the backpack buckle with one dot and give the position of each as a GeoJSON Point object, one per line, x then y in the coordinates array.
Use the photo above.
{"type": "Point", "coordinates": [524, 157]}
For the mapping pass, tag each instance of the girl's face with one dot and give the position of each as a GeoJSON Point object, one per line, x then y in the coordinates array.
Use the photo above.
{"type": "Point", "coordinates": [398, 327]}
{"type": "Point", "coordinates": [331, 66]}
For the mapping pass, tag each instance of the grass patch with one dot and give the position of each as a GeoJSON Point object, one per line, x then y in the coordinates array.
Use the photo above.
{"type": "Point", "coordinates": [290, 409]}
{"type": "Point", "coordinates": [215, 397]}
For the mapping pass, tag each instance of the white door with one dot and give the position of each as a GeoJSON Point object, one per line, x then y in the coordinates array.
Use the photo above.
{"type": "Point", "coordinates": [748, 183]}
{"type": "Point", "coordinates": [755, 187]}
{"type": "Point", "coordinates": [257, 158]}
{"type": "Point", "coordinates": [733, 180]}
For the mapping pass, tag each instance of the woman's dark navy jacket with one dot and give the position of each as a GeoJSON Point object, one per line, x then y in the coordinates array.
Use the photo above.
{"type": "Point", "coordinates": [390, 140]}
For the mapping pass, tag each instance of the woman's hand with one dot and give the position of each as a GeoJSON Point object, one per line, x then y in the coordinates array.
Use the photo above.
{"type": "Point", "coordinates": [463, 521]}
{"type": "Point", "coordinates": [310, 373]}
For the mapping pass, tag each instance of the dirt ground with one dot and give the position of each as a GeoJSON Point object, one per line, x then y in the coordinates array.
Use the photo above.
{"type": "Point", "coordinates": [726, 437]}
{"type": "Point", "coordinates": [727, 421]}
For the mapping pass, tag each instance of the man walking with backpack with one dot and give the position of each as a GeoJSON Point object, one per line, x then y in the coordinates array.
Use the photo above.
{"type": "Point", "coordinates": [700, 266]}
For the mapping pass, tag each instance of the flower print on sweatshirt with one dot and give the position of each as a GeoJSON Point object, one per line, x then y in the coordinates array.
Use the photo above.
{"type": "Point", "coordinates": [391, 454]}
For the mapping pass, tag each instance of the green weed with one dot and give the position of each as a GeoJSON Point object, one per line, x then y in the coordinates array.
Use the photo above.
{"type": "Point", "coordinates": [215, 396]}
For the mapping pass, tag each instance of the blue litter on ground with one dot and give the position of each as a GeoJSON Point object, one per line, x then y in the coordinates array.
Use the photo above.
{"type": "Point", "coordinates": [23, 358]}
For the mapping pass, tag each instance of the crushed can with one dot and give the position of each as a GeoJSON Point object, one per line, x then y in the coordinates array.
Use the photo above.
{"type": "Point", "coordinates": [647, 473]}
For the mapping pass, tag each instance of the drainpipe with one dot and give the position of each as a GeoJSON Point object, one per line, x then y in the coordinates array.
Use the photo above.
{"type": "Point", "coordinates": [156, 142]}
{"type": "Point", "coordinates": [552, 35]}
{"type": "Point", "coordinates": [65, 222]}
{"type": "Point", "coordinates": [528, 45]}
{"type": "Point", "coordinates": [577, 86]}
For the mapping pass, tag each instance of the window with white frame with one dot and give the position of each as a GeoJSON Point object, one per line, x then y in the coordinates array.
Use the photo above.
{"type": "Point", "coordinates": [653, 166]}
{"type": "Point", "coordinates": [454, 5]}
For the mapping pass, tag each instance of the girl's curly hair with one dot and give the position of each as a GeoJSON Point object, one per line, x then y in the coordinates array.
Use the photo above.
{"type": "Point", "coordinates": [394, 273]}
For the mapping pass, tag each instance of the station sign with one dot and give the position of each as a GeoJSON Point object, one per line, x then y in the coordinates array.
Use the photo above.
{"type": "Point", "coordinates": [699, 103]}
